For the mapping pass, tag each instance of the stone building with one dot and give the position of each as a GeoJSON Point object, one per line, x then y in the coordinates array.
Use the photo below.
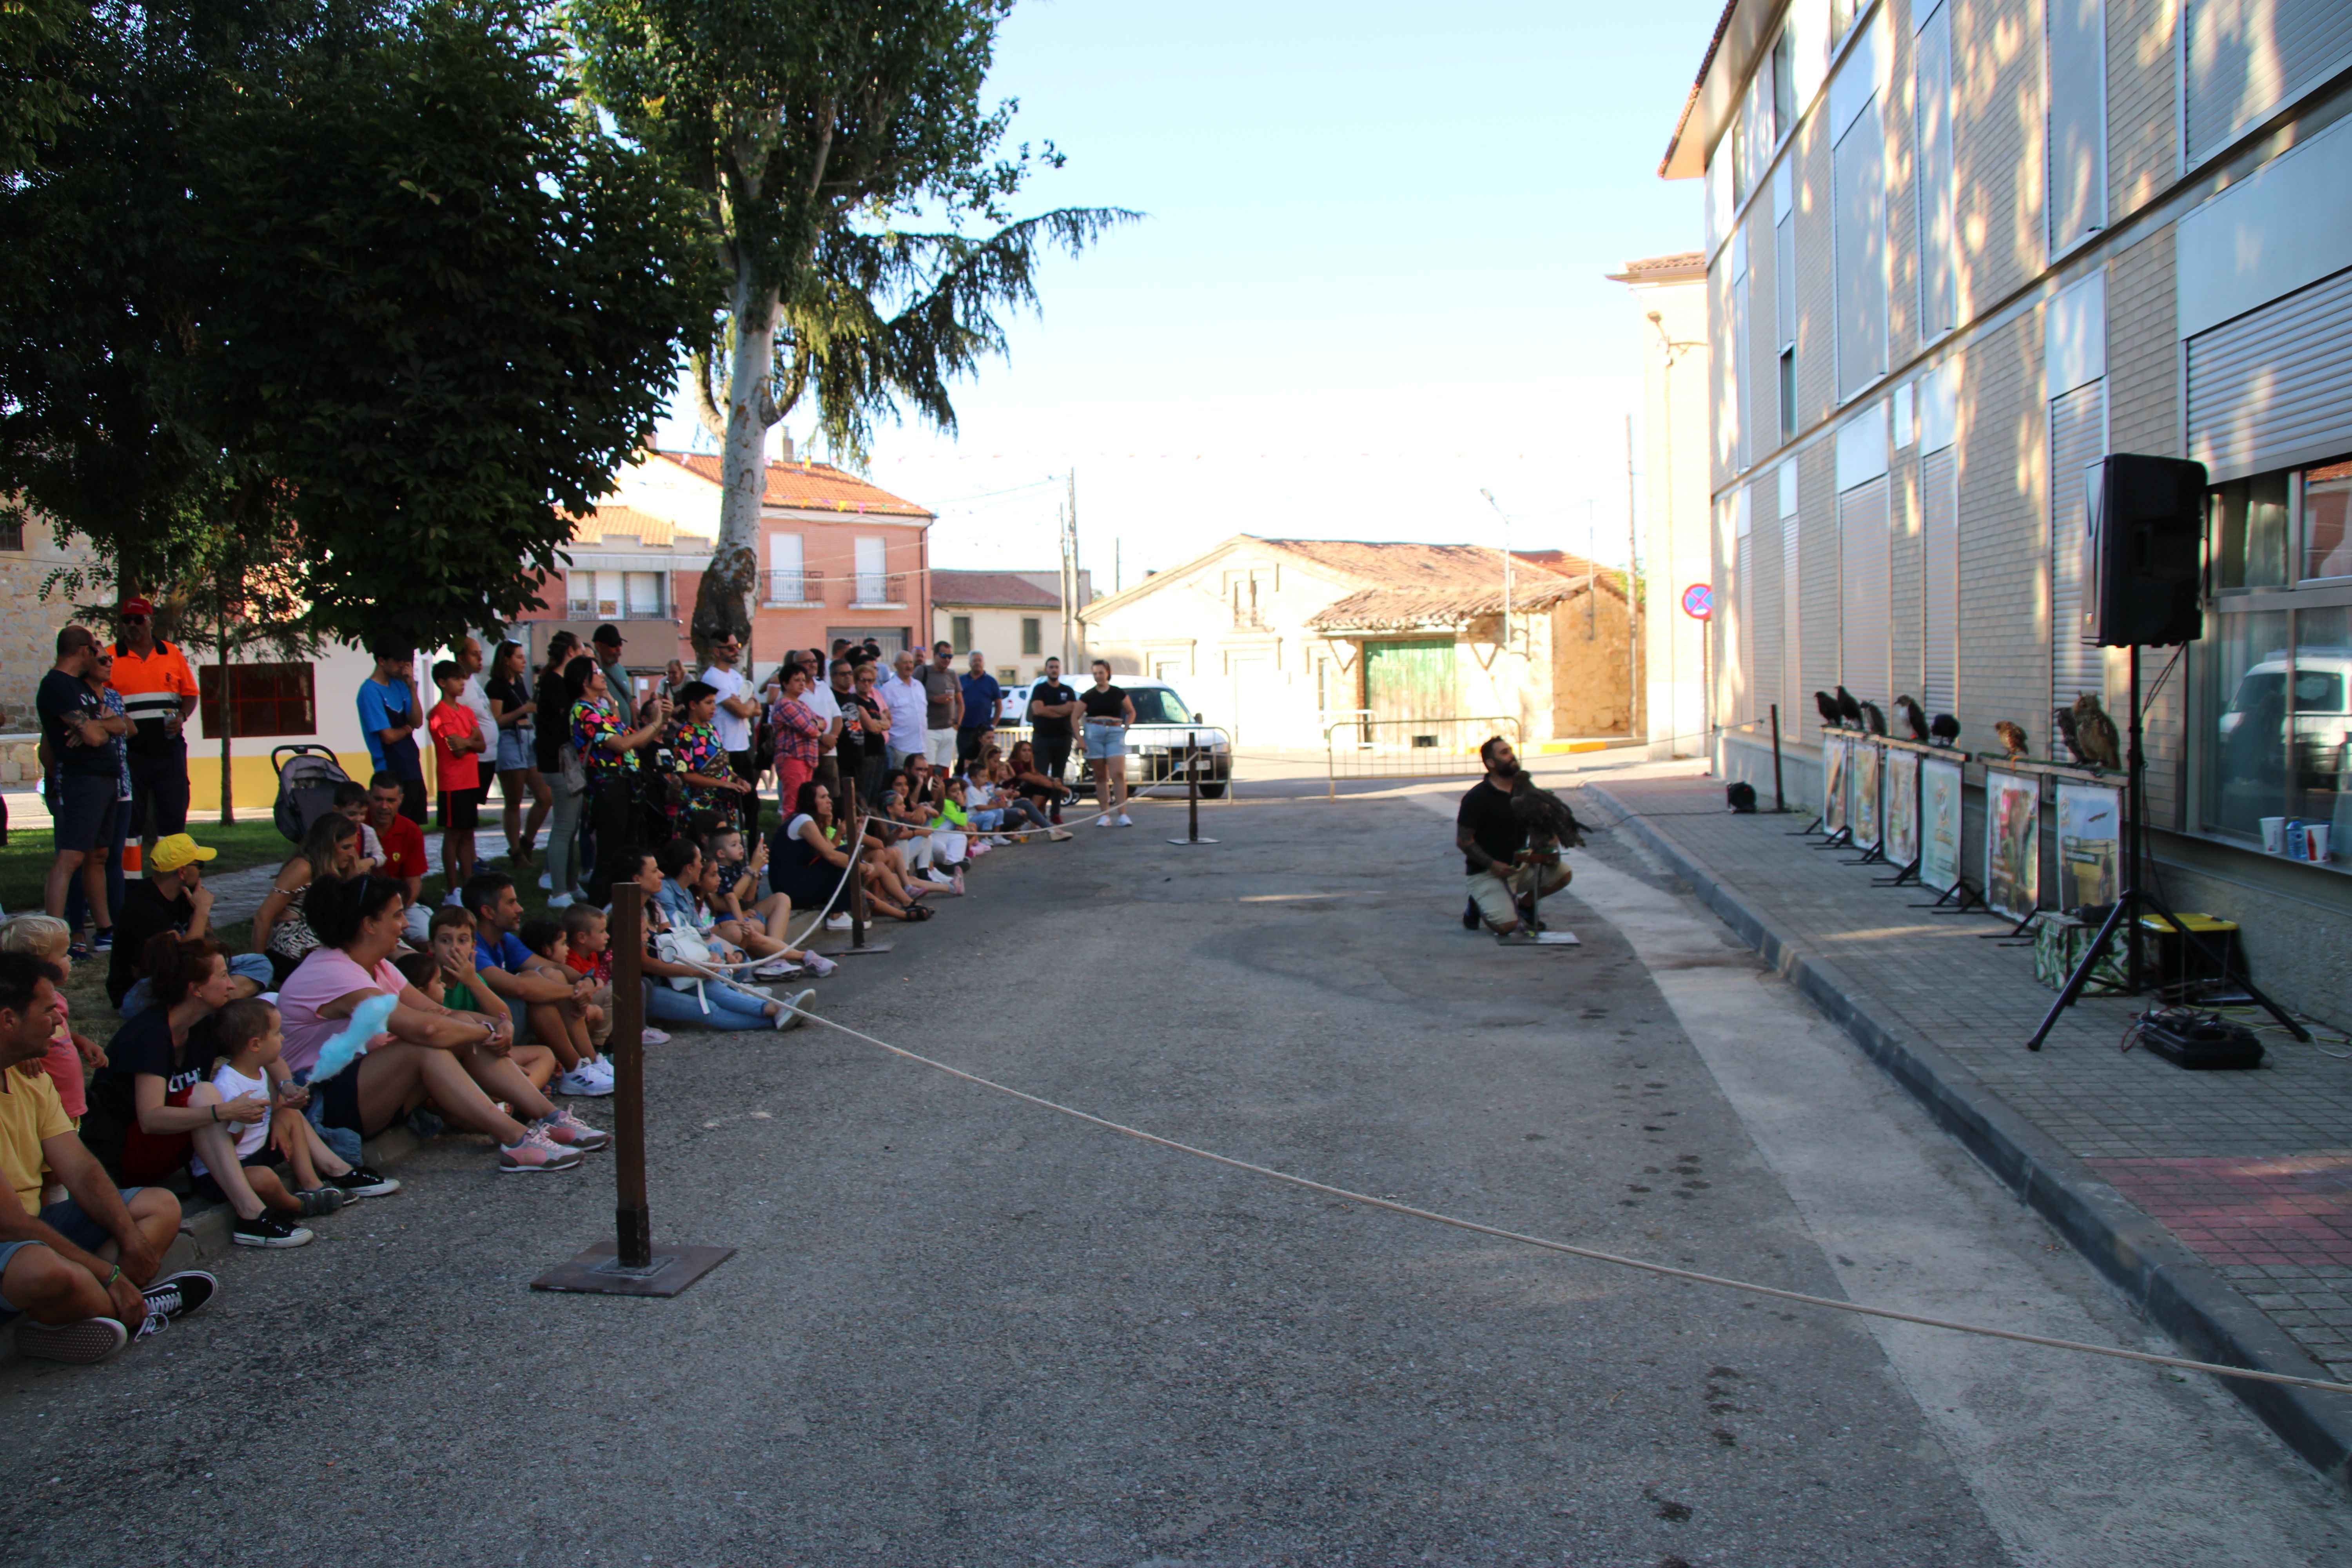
{"type": "Point", "coordinates": [29, 552]}
{"type": "Point", "coordinates": [1958, 252]}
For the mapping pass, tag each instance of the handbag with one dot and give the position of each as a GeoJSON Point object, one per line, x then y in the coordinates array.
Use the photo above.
{"type": "Point", "coordinates": [576, 773]}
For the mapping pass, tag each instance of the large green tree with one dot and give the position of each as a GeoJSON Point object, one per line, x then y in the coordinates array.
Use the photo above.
{"type": "Point", "coordinates": [367, 280]}
{"type": "Point", "coordinates": [854, 186]}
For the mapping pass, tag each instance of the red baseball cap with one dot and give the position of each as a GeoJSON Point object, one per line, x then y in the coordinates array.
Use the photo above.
{"type": "Point", "coordinates": [134, 607]}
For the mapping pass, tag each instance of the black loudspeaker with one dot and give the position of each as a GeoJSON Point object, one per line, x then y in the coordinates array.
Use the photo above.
{"type": "Point", "coordinates": [2147, 522]}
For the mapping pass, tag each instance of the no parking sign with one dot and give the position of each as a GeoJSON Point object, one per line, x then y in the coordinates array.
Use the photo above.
{"type": "Point", "coordinates": [1698, 602]}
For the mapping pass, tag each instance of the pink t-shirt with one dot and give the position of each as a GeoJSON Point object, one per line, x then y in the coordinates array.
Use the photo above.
{"type": "Point", "coordinates": [63, 1064]}
{"type": "Point", "coordinates": [324, 974]}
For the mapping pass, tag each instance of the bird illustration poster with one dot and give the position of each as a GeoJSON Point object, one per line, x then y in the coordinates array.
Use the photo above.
{"type": "Point", "coordinates": [1900, 792]}
{"type": "Point", "coordinates": [2013, 842]}
{"type": "Point", "coordinates": [2090, 844]}
{"type": "Point", "coordinates": [1833, 765]}
{"type": "Point", "coordinates": [1863, 812]}
{"type": "Point", "coordinates": [1939, 824]}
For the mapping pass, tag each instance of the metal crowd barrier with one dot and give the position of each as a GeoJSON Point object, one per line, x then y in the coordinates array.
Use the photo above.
{"type": "Point", "coordinates": [1358, 745]}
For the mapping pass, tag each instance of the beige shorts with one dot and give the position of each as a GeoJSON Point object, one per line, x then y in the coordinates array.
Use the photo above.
{"type": "Point", "coordinates": [1498, 901]}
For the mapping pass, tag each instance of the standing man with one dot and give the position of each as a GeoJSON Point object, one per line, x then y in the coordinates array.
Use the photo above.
{"type": "Point", "coordinates": [159, 694]}
{"type": "Point", "coordinates": [390, 715]}
{"type": "Point", "coordinates": [738, 706]}
{"type": "Point", "coordinates": [944, 706]}
{"type": "Point", "coordinates": [1492, 840]}
{"type": "Point", "coordinates": [909, 703]}
{"type": "Point", "coordinates": [608, 642]}
{"type": "Point", "coordinates": [828, 688]}
{"type": "Point", "coordinates": [981, 697]}
{"type": "Point", "coordinates": [79, 735]}
{"type": "Point", "coordinates": [1052, 712]}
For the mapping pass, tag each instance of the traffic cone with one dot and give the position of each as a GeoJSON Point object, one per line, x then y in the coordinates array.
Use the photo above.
{"type": "Point", "coordinates": [134, 861]}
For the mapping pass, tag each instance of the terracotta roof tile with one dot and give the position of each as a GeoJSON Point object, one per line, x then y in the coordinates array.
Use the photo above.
{"type": "Point", "coordinates": [808, 486]}
{"type": "Point", "coordinates": [627, 521]}
{"type": "Point", "coordinates": [1428, 586]}
{"type": "Point", "coordinates": [991, 588]}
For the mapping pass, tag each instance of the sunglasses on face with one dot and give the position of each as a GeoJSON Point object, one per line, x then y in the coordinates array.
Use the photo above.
{"type": "Point", "coordinates": [134, 620]}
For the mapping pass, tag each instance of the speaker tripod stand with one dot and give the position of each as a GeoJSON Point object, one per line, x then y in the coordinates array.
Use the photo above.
{"type": "Point", "coordinates": [2133, 902]}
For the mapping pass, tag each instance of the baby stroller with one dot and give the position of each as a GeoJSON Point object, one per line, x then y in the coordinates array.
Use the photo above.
{"type": "Point", "coordinates": [307, 777]}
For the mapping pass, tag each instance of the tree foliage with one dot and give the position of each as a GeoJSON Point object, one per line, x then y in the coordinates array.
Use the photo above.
{"type": "Point", "coordinates": [366, 284]}
{"type": "Point", "coordinates": [856, 188]}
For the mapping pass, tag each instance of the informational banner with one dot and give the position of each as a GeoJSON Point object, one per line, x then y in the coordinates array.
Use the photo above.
{"type": "Point", "coordinates": [1939, 824]}
{"type": "Point", "coordinates": [1834, 750]}
{"type": "Point", "coordinates": [1863, 770]}
{"type": "Point", "coordinates": [2090, 844]}
{"type": "Point", "coordinates": [1901, 793]}
{"type": "Point", "coordinates": [2013, 842]}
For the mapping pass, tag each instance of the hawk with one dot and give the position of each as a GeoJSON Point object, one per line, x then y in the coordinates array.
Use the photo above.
{"type": "Point", "coordinates": [2097, 733]}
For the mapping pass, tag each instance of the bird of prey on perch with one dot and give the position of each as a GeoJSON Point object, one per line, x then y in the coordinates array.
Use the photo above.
{"type": "Point", "coordinates": [1828, 705]}
{"type": "Point", "coordinates": [1914, 717]}
{"type": "Point", "coordinates": [2062, 724]}
{"type": "Point", "coordinates": [2013, 738]}
{"type": "Point", "coordinates": [1874, 719]}
{"type": "Point", "coordinates": [1943, 729]}
{"type": "Point", "coordinates": [1848, 711]}
{"type": "Point", "coordinates": [2097, 733]}
{"type": "Point", "coordinates": [1550, 826]}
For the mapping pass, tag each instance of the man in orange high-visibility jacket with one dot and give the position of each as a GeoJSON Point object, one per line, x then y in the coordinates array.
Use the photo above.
{"type": "Point", "coordinates": [159, 694]}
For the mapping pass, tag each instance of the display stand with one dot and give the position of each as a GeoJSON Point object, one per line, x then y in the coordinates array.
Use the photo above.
{"type": "Point", "coordinates": [2134, 902]}
{"type": "Point", "coordinates": [1779, 796]}
{"type": "Point", "coordinates": [1192, 791]}
{"type": "Point", "coordinates": [630, 1265]}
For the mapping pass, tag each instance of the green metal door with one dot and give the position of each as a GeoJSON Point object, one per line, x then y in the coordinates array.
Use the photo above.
{"type": "Point", "coordinates": [1409, 680]}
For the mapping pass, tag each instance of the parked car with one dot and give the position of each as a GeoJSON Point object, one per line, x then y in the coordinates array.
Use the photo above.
{"type": "Point", "coordinates": [1165, 727]}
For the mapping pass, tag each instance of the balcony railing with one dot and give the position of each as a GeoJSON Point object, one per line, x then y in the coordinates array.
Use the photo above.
{"type": "Point", "coordinates": [875, 590]}
{"type": "Point", "coordinates": [796, 588]}
{"type": "Point", "coordinates": [619, 610]}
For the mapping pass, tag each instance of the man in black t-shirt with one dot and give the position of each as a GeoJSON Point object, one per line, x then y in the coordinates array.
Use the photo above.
{"type": "Point", "coordinates": [1051, 706]}
{"type": "Point", "coordinates": [175, 900]}
{"type": "Point", "coordinates": [79, 735]}
{"type": "Point", "coordinates": [1493, 841]}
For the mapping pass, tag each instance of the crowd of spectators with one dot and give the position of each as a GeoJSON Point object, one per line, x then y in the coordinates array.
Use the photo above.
{"type": "Point", "coordinates": [253, 1080]}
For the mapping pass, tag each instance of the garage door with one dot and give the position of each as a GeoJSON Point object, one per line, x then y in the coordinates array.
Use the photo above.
{"type": "Point", "coordinates": [1409, 680]}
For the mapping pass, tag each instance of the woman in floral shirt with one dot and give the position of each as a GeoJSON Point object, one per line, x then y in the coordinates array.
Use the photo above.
{"type": "Point", "coordinates": [798, 732]}
{"type": "Point", "coordinates": [608, 754]}
{"type": "Point", "coordinates": [705, 780]}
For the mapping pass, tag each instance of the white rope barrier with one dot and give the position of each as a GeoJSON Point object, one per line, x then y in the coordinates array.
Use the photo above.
{"type": "Point", "coordinates": [1590, 1254]}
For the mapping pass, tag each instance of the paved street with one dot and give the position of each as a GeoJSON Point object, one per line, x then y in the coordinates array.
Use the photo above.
{"type": "Point", "coordinates": [963, 1330]}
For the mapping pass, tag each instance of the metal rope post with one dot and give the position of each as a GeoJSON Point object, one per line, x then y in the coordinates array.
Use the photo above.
{"type": "Point", "coordinates": [1192, 789]}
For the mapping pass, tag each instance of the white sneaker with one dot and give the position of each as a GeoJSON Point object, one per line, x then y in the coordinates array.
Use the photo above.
{"type": "Point", "coordinates": [653, 1037]}
{"type": "Point", "coordinates": [788, 1019]}
{"type": "Point", "coordinates": [450, 899]}
{"type": "Point", "coordinates": [1125, 820]}
{"type": "Point", "coordinates": [601, 1067]}
{"type": "Point", "coordinates": [819, 965]}
{"type": "Point", "coordinates": [1058, 836]}
{"type": "Point", "coordinates": [775, 969]}
{"type": "Point", "coordinates": [582, 1081]}
{"type": "Point", "coordinates": [940, 877]}
{"type": "Point", "coordinates": [1102, 822]}
{"type": "Point", "coordinates": [838, 922]}
{"type": "Point", "coordinates": [561, 900]}
{"type": "Point", "coordinates": [547, 880]}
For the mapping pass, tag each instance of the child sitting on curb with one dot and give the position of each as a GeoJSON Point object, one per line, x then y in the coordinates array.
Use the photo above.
{"type": "Point", "coordinates": [549, 948]}
{"type": "Point", "coordinates": [451, 945]}
{"type": "Point", "coordinates": [245, 1034]}
{"type": "Point", "coordinates": [424, 972]}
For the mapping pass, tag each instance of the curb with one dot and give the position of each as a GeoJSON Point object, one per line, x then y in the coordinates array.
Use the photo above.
{"type": "Point", "coordinates": [2179, 1291]}
{"type": "Point", "coordinates": [203, 1225]}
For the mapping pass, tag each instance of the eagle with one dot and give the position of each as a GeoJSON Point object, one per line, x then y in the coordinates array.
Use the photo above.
{"type": "Point", "coordinates": [2062, 724]}
{"type": "Point", "coordinates": [2012, 738]}
{"type": "Point", "coordinates": [1943, 729]}
{"type": "Point", "coordinates": [1550, 826]}
{"type": "Point", "coordinates": [1848, 711]}
{"type": "Point", "coordinates": [1874, 719]}
{"type": "Point", "coordinates": [1914, 717]}
{"type": "Point", "coordinates": [2097, 733]}
{"type": "Point", "coordinates": [1828, 705]}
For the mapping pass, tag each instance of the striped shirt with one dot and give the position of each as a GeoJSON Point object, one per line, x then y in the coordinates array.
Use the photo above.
{"type": "Point", "coordinates": [152, 687]}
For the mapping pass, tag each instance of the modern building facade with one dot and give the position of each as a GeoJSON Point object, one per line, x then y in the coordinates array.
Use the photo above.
{"type": "Point", "coordinates": [1957, 252]}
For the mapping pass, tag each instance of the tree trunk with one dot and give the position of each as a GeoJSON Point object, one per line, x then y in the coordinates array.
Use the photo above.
{"type": "Point", "coordinates": [722, 602]}
{"type": "Point", "coordinates": [227, 720]}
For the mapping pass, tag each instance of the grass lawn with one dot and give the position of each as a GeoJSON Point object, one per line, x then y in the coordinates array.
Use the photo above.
{"type": "Point", "coordinates": [252, 840]}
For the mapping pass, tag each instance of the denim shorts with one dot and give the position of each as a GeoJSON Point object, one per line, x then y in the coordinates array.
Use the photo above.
{"type": "Point", "coordinates": [514, 751]}
{"type": "Point", "coordinates": [1105, 742]}
{"type": "Point", "coordinates": [67, 1219]}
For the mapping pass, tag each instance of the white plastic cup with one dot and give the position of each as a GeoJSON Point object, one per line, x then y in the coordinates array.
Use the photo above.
{"type": "Point", "coordinates": [2273, 835]}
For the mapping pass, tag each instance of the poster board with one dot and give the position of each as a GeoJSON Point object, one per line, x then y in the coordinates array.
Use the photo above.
{"type": "Point", "coordinates": [2012, 882]}
{"type": "Point", "coordinates": [1900, 789]}
{"type": "Point", "coordinates": [2090, 844]}
{"type": "Point", "coordinates": [1939, 823]}
{"type": "Point", "coordinates": [1868, 756]}
{"type": "Point", "coordinates": [1834, 752]}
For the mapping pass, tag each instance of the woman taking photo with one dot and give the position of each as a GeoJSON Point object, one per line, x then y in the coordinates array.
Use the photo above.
{"type": "Point", "coordinates": [426, 1051]}
{"type": "Point", "coordinates": [1109, 710]}
{"type": "Point", "coordinates": [552, 699]}
{"type": "Point", "coordinates": [516, 710]}
{"type": "Point", "coordinates": [281, 928]}
{"type": "Point", "coordinates": [608, 754]}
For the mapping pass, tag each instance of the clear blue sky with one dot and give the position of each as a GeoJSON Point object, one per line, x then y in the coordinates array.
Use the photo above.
{"type": "Point", "coordinates": [1370, 281]}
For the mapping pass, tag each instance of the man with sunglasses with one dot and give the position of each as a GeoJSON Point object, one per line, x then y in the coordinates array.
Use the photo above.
{"type": "Point", "coordinates": [739, 707]}
{"type": "Point", "coordinates": [159, 695]}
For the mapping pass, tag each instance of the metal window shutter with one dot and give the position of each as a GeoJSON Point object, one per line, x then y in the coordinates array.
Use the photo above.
{"type": "Point", "coordinates": [1740, 401]}
{"type": "Point", "coordinates": [1940, 506]}
{"type": "Point", "coordinates": [2274, 388]}
{"type": "Point", "coordinates": [1865, 650]}
{"type": "Point", "coordinates": [1793, 706]}
{"type": "Point", "coordinates": [1743, 602]}
{"type": "Point", "coordinates": [1860, 175]}
{"type": "Point", "coordinates": [2075, 31]}
{"type": "Point", "coordinates": [2246, 60]}
{"type": "Point", "coordinates": [2077, 436]}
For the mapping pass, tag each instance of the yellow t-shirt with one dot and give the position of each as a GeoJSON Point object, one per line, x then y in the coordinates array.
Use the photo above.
{"type": "Point", "coordinates": [29, 1116]}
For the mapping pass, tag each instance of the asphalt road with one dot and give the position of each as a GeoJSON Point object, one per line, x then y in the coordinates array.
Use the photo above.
{"type": "Point", "coordinates": [962, 1330]}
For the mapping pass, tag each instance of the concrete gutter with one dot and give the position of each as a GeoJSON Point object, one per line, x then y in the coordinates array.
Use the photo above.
{"type": "Point", "coordinates": [2205, 1315]}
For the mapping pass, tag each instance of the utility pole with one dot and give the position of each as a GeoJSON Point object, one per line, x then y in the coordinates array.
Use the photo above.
{"type": "Point", "coordinates": [1634, 695]}
{"type": "Point", "coordinates": [1070, 605]}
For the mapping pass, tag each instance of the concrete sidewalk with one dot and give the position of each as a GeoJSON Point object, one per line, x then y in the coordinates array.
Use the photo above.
{"type": "Point", "coordinates": [2221, 1203]}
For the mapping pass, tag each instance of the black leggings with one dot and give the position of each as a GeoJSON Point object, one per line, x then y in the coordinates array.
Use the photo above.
{"type": "Point", "coordinates": [613, 808]}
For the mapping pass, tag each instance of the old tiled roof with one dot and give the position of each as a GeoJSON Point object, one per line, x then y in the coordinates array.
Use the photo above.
{"type": "Point", "coordinates": [995, 589]}
{"type": "Point", "coordinates": [808, 486]}
{"type": "Point", "coordinates": [1662, 269]}
{"type": "Point", "coordinates": [624, 520]}
{"type": "Point", "coordinates": [1422, 586]}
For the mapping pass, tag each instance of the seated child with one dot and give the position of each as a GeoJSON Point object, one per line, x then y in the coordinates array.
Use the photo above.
{"type": "Point", "coordinates": [550, 947]}
{"type": "Point", "coordinates": [752, 936]}
{"type": "Point", "coordinates": [521, 1094]}
{"type": "Point", "coordinates": [246, 1035]}
{"type": "Point", "coordinates": [447, 963]}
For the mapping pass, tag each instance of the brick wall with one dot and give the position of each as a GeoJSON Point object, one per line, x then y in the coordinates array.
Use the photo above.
{"type": "Point", "coordinates": [2003, 461]}
{"type": "Point", "coordinates": [2143, 127]}
{"type": "Point", "coordinates": [1997, 147]}
{"type": "Point", "coordinates": [28, 631]}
